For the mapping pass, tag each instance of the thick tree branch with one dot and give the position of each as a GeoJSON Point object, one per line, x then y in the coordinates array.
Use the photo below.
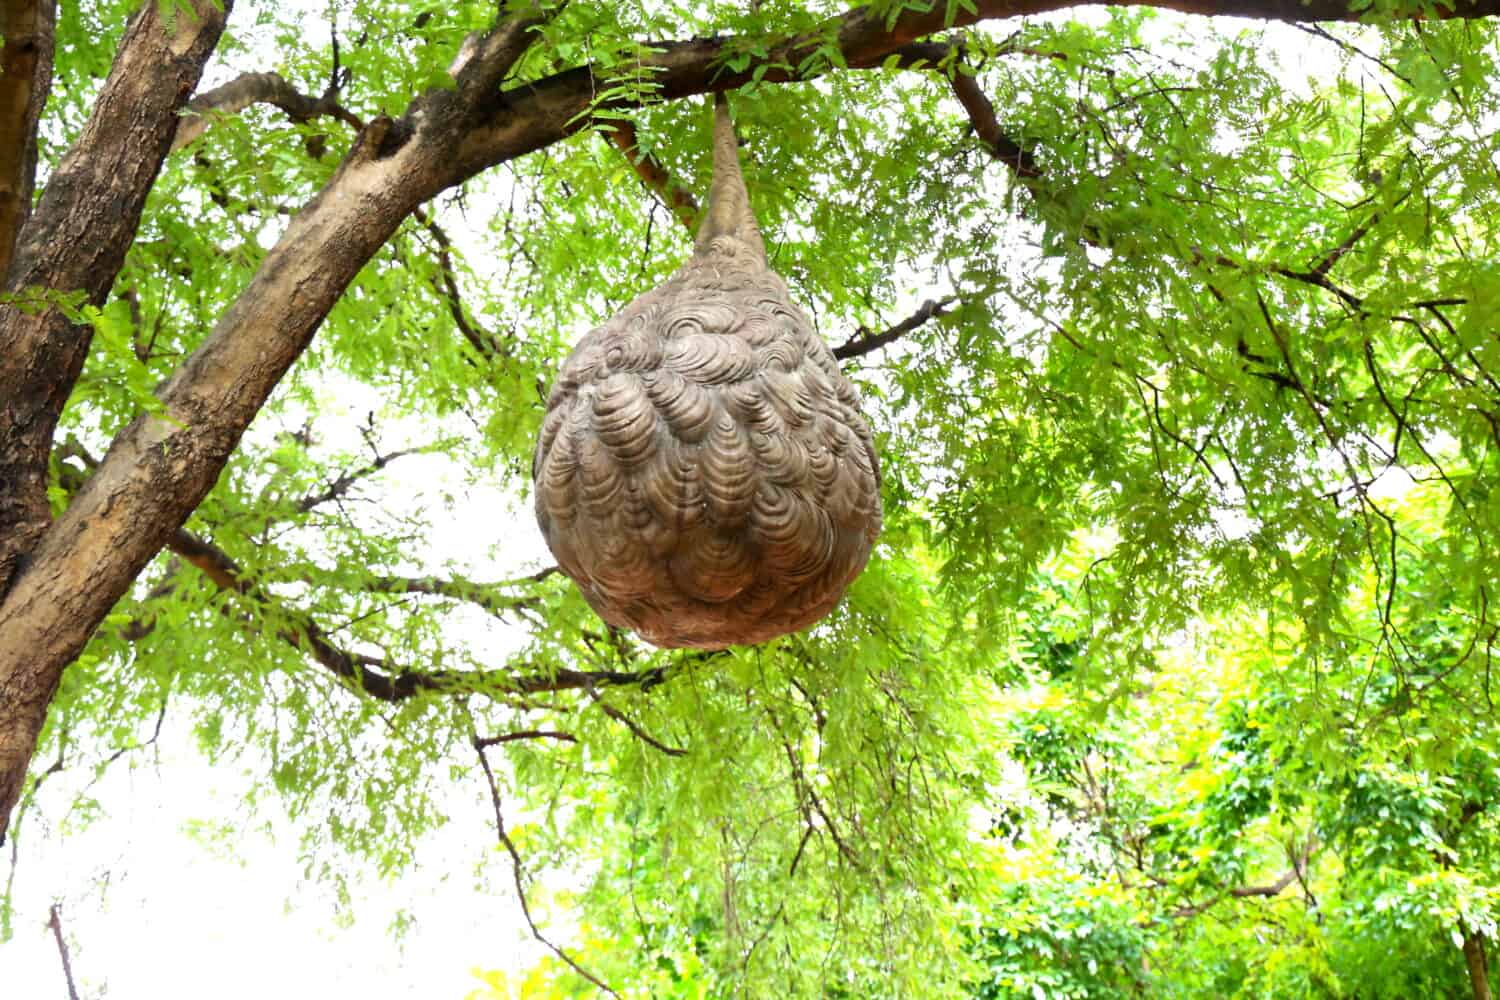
{"type": "Point", "coordinates": [70, 249]}
{"type": "Point", "coordinates": [258, 88]}
{"type": "Point", "coordinates": [534, 115]}
{"type": "Point", "coordinates": [160, 467]}
{"type": "Point", "coordinates": [488, 59]}
{"type": "Point", "coordinates": [1275, 888]}
{"type": "Point", "coordinates": [1477, 963]}
{"type": "Point", "coordinates": [28, 28]}
{"type": "Point", "coordinates": [73, 245]}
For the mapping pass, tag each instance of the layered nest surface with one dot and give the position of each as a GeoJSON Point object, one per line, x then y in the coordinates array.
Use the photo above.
{"type": "Point", "coordinates": [704, 472]}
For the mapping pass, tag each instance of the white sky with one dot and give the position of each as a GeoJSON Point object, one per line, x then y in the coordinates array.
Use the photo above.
{"type": "Point", "coordinates": [150, 912]}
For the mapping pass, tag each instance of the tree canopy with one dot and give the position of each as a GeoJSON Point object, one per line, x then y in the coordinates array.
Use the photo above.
{"type": "Point", "coordinates": [1176, 327]}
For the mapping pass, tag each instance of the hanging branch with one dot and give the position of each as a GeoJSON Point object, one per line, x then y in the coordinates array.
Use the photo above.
{"type": "Point", "coordinates": [55, 923]}
{"type": "Point", "coordinates": [515, 867]}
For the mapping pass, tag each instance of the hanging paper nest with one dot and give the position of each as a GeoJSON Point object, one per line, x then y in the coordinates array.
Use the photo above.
{"type": "Point", "coordinates": [704, 472]}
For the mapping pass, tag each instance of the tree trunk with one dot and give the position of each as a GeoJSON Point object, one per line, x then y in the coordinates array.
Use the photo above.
{"type": "Point", "coordinates": [25, 78]}
{"type": "Point", "coordinates": [1479, 966]}
{"type": "Point", "coordinates": [72, 246]}
{"type": "Point", "coordinates": [160, 468]}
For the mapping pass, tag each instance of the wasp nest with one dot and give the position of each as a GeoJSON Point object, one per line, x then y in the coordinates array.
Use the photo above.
{"type": "Point", "coordinates": [704, 473]}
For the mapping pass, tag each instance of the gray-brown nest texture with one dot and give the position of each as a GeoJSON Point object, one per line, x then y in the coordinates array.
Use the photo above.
{"type": "Point", "coordinates": [703, 472]}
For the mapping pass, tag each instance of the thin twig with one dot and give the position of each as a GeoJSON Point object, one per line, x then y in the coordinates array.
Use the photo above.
{"type": "Point", "coordinates": [864, 342]}
{"type": "Point", "coordinates": [628, 723]}
{"type": "Point", "coordinates": [445, 282]}
{"type": "Point", "coordinates": [484, 742]}
{"type": "Point", "coordinates": [341, 484]}
{"type": "Point", "coordinates": [515, 864]}
{"type": "Point", "coordinates": [55, 922]}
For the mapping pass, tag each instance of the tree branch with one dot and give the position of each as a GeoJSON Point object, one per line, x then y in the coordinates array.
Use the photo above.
{"type": "Point", "coordinates": [1477, 963]}
{"type": "Point", "coordinates": [515, 863]}
{"type": "Point", "coordinates": [489, 59]}
{"type": "Point", "coordinates": [99, 188]}
{"type": "Point", "coordinates": [532, 115]}
{"type": "Point", "coordinates": [484, 742]}
{"type": "Point", "coordinates": [372, 675]}
{"type": "Point", "coordinates": [28, 28]}
{"type": "Point", "coordinates": [1276, 888]}
{"type": "Point", "coordinates": [299, 630]}
{"type": "Point", "coordinates": [673, 196]}
{"type": "Point", "coordinates": [138, 628]}
{"type": "Point", "coordinates": [976, 104]}
{"type": "Point", "coordinates": [69, 252]}
{"type": "Point", "coordinates": [54, 922]}
{"type": "Point", "coordinates": [340, 485]}
{"type": "Point", "coordinates": [485, 595]}
{"type": "Point", "coordinates": [865, 342]}
{"type": "Point", "coordinates": [258, 88]}
{"type": "Point", "coordinates": [447, 286]}
{"type": "Point", "coordinates": [629, 723]}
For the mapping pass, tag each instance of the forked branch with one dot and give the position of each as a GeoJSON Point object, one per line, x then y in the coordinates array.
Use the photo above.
{"type": "Point", "coordinates": [258, 88]}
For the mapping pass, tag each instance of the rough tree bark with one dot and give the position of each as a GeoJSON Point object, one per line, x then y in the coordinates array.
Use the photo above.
{"type": "Point", "coordinates": [1479, 965]}
{"type": "Point", "coordinates": [73, 245]}
{"type": "Point", "coordinates": [65, 576]}
{"type": "Point", "coordinates": [25, 78]}
{"type": "Point", "coordinates": [70, 249]}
